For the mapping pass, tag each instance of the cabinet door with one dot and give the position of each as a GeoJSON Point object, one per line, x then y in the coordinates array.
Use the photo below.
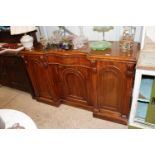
{"type": "Point", "coordinates": [75, 85]}
{"type": "Point", "coordinates": [111, 88]}
{"type": "Point", "coordinates": [38, 71]}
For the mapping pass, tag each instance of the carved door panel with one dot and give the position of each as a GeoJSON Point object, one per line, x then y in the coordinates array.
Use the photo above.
{"type": "Point", "coordinates": [38, 71]}
{"type": "Point", "coordinates": [75, 84]}
{"type": "Point", "coordinates": [111, 87]}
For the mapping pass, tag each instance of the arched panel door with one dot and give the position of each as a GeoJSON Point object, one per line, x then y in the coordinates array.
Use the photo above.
{"type": "Point", "coordinates": [111, 89]}
{"type": "Point", "coordinates": [74, 84]}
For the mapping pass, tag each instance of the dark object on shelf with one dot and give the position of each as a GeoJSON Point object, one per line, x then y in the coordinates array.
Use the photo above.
{"type": "Point", "coordinates": [53, 46]}
{"type": "Point", "coordinates": [6, 37]}
{"type": "Point", "coordinates": [65, 46]}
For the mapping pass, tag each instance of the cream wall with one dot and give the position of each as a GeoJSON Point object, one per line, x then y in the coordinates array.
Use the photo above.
{"type": "Point", "coordinates": [113, 35]}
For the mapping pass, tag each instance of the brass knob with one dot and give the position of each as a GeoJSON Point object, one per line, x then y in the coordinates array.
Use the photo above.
{"type": "Point", "coordinates": [41, 57]}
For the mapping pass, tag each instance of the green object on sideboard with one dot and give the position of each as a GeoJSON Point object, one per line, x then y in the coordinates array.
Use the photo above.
{"type": "Point", "coordinates": [100, 45]}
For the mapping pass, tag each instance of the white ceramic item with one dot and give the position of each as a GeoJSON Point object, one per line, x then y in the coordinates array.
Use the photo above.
{"type": "Point", "coordinates": [27, 42]}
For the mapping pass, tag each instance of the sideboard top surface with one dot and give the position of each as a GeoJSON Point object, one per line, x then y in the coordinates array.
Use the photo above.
{"type": "Point", "coordinates": [114, 53]}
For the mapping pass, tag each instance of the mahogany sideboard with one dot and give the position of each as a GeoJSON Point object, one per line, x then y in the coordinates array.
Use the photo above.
{"type": "Point", "coordinates": [99, 81]}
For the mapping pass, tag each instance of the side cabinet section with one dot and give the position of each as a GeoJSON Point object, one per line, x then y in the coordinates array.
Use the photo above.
{"type": "Point", "coordinates": [112, 85]}
{"type": "Point", "coordinates": [38, 71]}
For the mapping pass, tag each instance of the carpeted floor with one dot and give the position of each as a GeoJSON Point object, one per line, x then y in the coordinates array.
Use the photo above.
{"type": "Point", "coordinates": [48, 117]}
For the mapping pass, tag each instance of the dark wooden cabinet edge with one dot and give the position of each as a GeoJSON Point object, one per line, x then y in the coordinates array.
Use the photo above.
{"type": "Point", "coordinates": [18, 86]}
{"type": "Point", "coordinates": [30, 89]}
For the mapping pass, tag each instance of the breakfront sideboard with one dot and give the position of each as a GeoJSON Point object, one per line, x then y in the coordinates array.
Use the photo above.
{"type": "Point", "coordinates": [99, 81]}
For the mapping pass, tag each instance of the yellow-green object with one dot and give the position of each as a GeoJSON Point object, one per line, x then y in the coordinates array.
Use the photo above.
{"type": "Point", "coordinates": [102, 28]}
{"type": "Point", "coordinates": [133, 127]}
{"type": "Point", "coordinates": [150, 117]}
{"type": "Point", "coordinates": [100, 45]}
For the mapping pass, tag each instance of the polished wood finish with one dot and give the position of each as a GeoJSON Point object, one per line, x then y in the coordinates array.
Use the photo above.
{"type": "Point", "coordinates": [100, 81]}
{"type": "Point", "coordinates": [113, 90]}
{"type": "Point", "coordinates": [38, 71]}
{"type": "Point", "coordinates": [73, 73]}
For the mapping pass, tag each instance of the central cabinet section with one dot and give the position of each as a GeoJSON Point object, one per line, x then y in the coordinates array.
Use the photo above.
{"type": "Point", "coordinates": [74, 84]}
{"type": "Point", "coordinates": [72, 75]}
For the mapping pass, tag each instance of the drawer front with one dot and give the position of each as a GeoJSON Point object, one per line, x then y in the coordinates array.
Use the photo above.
{"type": "Point", "coordinates": [69, 60]}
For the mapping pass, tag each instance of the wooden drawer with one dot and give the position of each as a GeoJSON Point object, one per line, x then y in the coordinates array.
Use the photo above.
{"type": "Point", "coordinates": [69, 60]}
